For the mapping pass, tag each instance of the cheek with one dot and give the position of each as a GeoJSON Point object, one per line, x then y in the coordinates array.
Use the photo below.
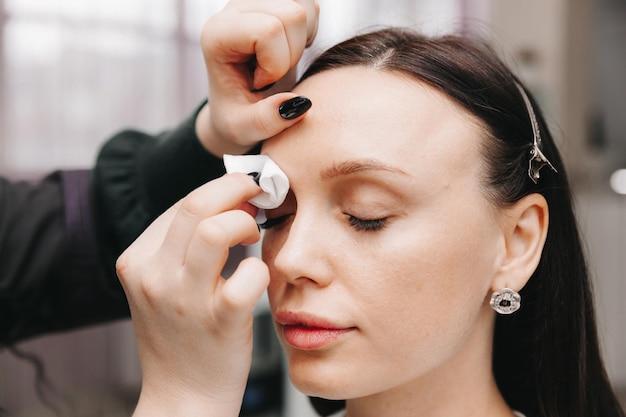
{"type": "Point", "coordinates": [433, 279]}
{"type": "Point", "coordinates": [422, 312]}
{"type": "Point", "coordinates": [453, 267]}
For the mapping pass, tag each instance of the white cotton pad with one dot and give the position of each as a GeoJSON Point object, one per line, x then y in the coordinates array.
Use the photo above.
{"type": "Point", "coordinates": [272, 179]}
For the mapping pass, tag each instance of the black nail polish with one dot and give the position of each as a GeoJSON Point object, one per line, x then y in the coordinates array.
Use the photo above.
{"type": "Point", "coordinates": [260, 90]}
{"type": "Point", "coordinates": [294, 107]}
{"type": "Point", "coordinates": [255, 176]}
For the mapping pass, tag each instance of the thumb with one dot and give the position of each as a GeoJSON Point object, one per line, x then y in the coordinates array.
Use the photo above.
{"type": "Point", "coordinates": [276, 113]}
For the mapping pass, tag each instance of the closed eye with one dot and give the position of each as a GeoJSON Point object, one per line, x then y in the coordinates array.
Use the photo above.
{"type": "Point", "coordinates": [367, 225]}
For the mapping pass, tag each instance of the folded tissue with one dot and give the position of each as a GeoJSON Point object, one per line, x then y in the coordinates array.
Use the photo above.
{"type": "Point", "coordinates": [269, 176]}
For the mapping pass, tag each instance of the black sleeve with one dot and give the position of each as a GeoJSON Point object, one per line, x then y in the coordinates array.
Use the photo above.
{"type": "Point", "coordinates": [138, 176]}
{"type": "Point", "coordinates": [50, 272]}
{"type": "Point", "coordinates": [31, 237]}
{"type": "Point", "coordinates": [59, 238]}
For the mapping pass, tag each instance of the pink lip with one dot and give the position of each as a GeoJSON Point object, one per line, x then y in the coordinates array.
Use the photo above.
{"type": "Point", "coordinates": [307, 332]}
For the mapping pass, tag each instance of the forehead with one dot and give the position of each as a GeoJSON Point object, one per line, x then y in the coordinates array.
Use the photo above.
{"type": "Point", "coordinates": [363, 113]}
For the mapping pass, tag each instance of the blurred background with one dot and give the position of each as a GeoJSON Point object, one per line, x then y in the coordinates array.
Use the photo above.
{"type": "Point", "coordinates": [73, 72]}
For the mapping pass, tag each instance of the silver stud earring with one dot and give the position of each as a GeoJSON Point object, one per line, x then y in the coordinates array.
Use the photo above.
{"type": "Point", "coordinates": [505, 301]}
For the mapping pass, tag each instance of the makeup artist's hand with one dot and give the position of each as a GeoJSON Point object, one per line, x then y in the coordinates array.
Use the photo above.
{"type": "Point", "coordinates": [193, 328]}
{"type": "Point", "coordinates": [247, 47]}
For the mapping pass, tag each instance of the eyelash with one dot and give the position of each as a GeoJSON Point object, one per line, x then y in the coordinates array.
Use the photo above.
{"type": "Point", "coordinates": [367, 225]}
{"type": "Point", "coordinates": [276, 221]}
{"type": "Point", "coordinates": [360, 225]}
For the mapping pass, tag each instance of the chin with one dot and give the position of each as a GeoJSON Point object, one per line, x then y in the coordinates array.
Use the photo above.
{"type": "Point", "coordinates": [320, 389]}
{"type": "Point", "coordinates": [322, 380]}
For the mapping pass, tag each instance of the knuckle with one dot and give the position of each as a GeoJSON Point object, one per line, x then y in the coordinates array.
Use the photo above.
{"type": "Point", "coordinates": [231, 302]}
{"type": "Point", "coordinates": [296, 14]}
{"type": "Point", "coordinates": [215, 28]}
{"type": "Point", "coordinates": [270, 26]}
{"type": "Point", "coordinates": [213, 234]}
{"type": "Point", "coordinates": [127, 269]}
{"type": "Point", "coordinates": [122, 268]}
{"type": "Point", "coordinates": [135, 278]}
{"type": "Point", "coordinates": [193, 204]}
{"type": "Point", "coordinates": [151, 293]}
{"type": "Point", "coordinates": [207, 35]}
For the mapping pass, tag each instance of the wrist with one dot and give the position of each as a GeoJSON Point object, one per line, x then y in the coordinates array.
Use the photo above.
{"type": "Point", "coordinates": [175, 403]}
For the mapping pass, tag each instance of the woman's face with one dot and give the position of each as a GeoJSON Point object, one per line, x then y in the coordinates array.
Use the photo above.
{"type": "Point", "coordinates": [382, 256]}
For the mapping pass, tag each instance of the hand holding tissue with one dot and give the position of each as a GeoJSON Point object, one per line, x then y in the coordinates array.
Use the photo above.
{"type": "Point", "coordinates": [271, 178]}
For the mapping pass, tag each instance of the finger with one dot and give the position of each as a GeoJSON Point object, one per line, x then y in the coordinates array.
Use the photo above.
{"type": "Point", "coordinates": [263, 119]}
{"type": "Point", "coordinates": [242, 290]}
{"type": "Point", "coordinates": [209, 246]}
{"type": "Point", "coordinates": [293, 17]}
{"type": "Point", "coordinates": [258, 34]}
{"type": "Point", "coordinates": [312, 8]}
{"type": "Point", "coordinates": [299, 19]}
{"type": "Point", "coordinates": [278, 47]}
{"type": "Point", "coordinates": [272, 34]}
{"type": "Point", "coordinates": [214, 197]}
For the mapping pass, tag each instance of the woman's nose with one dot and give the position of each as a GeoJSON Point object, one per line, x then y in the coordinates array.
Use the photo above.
{"type": "Point", "coordinates": [303, 255]}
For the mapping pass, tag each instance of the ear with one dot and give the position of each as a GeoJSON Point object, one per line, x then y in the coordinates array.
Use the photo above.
{"type": "Point", "coordinates": [525, 227]}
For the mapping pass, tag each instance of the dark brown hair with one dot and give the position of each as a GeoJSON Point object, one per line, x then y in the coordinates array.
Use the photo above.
{"type": "Point", "coordinates": [546, 357]}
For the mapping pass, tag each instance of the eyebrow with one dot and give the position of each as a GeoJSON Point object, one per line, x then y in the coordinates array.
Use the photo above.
{"type": "Point", "coordinates": [355, 166]}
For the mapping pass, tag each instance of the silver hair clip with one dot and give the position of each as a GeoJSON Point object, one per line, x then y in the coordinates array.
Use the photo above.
{"type": "Point", "coordinates": [537, 159]}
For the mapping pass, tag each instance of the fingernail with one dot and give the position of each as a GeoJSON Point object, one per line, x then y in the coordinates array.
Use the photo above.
{"type": "Point", "coordinates": [255, 176]}
{"type": "Point", "coordinates": [260, 90]}
{"type": "Point", "coordinates": [294, 107]}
